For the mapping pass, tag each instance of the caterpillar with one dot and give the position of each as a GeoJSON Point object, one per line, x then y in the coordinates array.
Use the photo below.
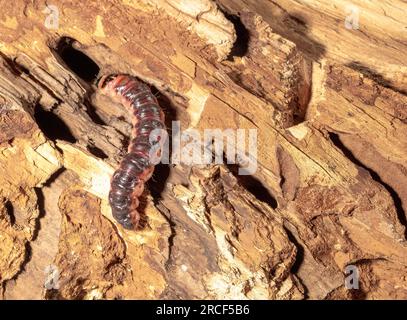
{"type": "Point", "coordinates": [144, 151]}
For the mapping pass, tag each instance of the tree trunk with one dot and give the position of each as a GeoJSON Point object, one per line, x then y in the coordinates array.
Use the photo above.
{"type": "Point", "coordinates": [323, 86]}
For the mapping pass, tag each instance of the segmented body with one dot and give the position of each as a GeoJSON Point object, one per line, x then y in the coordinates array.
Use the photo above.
{"type": "Point", "coordinates": [144, 149]}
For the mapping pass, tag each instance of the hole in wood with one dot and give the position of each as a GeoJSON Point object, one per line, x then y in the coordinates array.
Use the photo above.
{"type": "Point", "coordinates": [254, 186]}
{"type": "Point", "coordinates": [16, 214]}
{"type": "Point", "coordinates": [97, 152]}
{"type": "Point", "coordinates": [92, 113]}
{"type": "Point", "coordinates": [10, 212]}
{"type": "Point", "coordinates": [76, 60]}
{"type": "Point", "coordinates": [299, 258]}
{"type": "Point", "coordinates": [336, 140]}
{"type": "Point", "coordinates": [52, 126]}
{"type": "Point", "coordinates": [241, 45]}
{"type": "Point", "coordinates": [374, 76]}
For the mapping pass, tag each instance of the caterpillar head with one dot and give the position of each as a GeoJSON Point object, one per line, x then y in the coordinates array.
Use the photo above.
{"type": "Point", "coordinates": [104, 80]}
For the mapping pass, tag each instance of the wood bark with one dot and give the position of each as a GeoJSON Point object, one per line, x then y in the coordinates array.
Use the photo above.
{"type": "Point", "coordinates": [330, 191]}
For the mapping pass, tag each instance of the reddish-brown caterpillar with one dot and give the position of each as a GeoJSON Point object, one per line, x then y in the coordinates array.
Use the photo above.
{"type": "Point", "coordinates": [144, 150]}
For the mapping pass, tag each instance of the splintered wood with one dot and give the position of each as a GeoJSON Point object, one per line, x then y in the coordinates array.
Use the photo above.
{"type": "Point", "coordinates": [329, 193]}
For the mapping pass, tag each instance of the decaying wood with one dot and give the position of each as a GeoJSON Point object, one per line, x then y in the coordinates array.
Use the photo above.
{"type": "Point", "coordinates": [330, 188]}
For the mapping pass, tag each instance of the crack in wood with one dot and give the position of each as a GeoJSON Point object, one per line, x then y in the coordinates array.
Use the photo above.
{"type": "Point", "coordinates": [401, 215]}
